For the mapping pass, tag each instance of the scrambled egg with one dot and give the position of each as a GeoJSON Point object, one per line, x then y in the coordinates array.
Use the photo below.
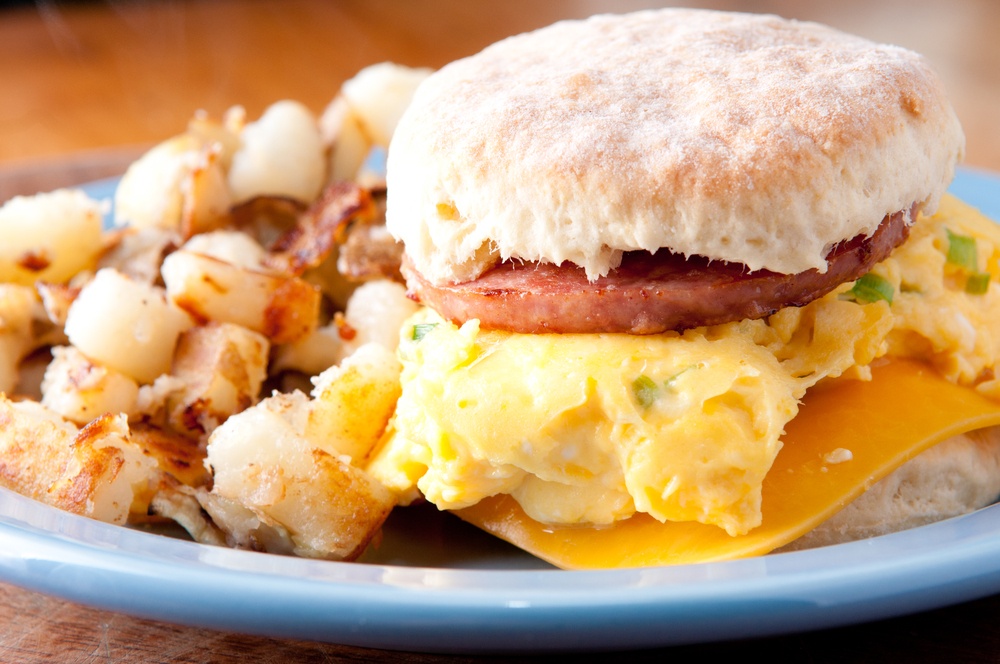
{"type": "Point", "coordinates": [940, 313]}
{"type": "Point", "coordinates": [589, 429]}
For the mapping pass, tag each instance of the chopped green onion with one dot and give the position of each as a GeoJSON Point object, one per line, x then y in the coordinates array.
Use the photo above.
{"type": "Point", "coordinates": [871, 288]}
{"type": "Point", "coordinates": [420, 330]}
{"type": "Point", "coordinates": [962, 251]}
{"type": "Point", "coordinates": [977, 283]}
{"type": "Point", "coordinates": [645, 390]}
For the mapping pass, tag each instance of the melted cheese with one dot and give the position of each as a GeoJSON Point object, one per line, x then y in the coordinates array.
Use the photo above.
{"type": "Point", "coordinates": [862, 417]}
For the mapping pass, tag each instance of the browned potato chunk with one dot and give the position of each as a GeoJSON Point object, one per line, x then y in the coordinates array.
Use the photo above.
{"type": "Point", "coordinates": [81, 390]}
{"type": "Point", "coordinates": [48, 236]}
{"type": "Point", "coordinates": [353, 402]}
{"type": "Point", "coordinates": [223, 367]}
{"type": "Point", "coordinates": [19, 307]}
{"type": "Point", "coordinates": [179, 456]}
{"type": "Point", "coordinates": [283, 309]}
{"type": "Point", "coordinates": [56, 300]}
{"type": "Point", "coordinates": [138, 252]}
{"type": "Point", "coordinates": [178, 185]}
{"type": "Point", "coordinates": [234, 247]}
{"type": "Point", "coordinates": [263, 462]}
{"type": "Point", "coordinates": [95, 471]}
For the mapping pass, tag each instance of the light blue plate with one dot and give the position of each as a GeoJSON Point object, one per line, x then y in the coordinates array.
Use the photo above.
{"type": "Point", "coordinates": [447, 604]}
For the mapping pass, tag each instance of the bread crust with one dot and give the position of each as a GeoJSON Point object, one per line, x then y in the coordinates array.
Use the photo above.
{"type": "Point", "coordinates": [745, 138]}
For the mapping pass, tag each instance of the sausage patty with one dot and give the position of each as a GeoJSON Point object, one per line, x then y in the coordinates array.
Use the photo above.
{"type": "Point", "coordinates": [648, 293]}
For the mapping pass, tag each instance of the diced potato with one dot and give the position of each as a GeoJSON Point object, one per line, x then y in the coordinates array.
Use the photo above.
{"type": "Point", "coordinates": [241, 527]}
{"type": "Point", "coordinates": [151, 404]}
{"type": "Point", "coordinates": [233, 247]}
{"type": "Point", "coordinates": [179, 456]}
{"type": "Point", "coordinates": [225, 135]}
{"type": "Point", "coordinates": [282, 155]}
{"type": "Point", "coordinates": [149, 194]}
{"type": "Point", "coordinates": [138, 252]}
{"type": "Point", "coordinates": [349, 144]}
{"type": "Point", "coordinates": [223, 367]}
{"type": "Point", "coordinates": [56, 301]}
{"type": "Point", "coordinates": [80, 390]}
{"type": "Point", "coordinates": [49, 236]}
{"type": "Point", "coordinates": [352, 403]}
{"type": "Point", "coordinates": [178, 185]}
{"type": "Point", "coordinates": [187, 362]}
{"type": "Point", "coordinates": [127, 325]}
{"type": "Point", "coordinates": [379, 94]}
{"type": "Point", "coordinates": [311, 354]}
{"type": "Point", "coordinates": [365, 114]}
{"type": "Point", "coordinates": [283, 309]}
{"type": "Point", "coordinates": [21, 315]}
{"type": "Point", "coordinates": [206, 196]}
{"type": "Point", "coordinates": [95, 471]}
{"type": "Point", "coordinates": [262, 461]}
{"type": "Point", "coordinates": [375, 313]}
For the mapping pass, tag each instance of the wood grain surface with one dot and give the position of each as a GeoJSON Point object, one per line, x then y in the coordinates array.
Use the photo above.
{"type": "Point", "coordinates": [93, 75]}
{"type": "Point", "coordinates": [85, 87]}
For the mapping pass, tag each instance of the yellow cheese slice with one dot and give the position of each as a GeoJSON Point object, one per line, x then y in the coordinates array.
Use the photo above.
{"type": "Point", "coordinates": [905, 409]}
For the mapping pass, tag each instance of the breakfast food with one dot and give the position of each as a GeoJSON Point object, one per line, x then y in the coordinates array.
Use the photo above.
{"type": "Point", "coordinates": [660, 253]}
{"type": "Point", "coordinates": [681, 273]}
{"type": "Point", "coordinates": [139, 365]}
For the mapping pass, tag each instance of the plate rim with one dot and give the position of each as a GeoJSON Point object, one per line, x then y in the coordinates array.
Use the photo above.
{"type": "Point", "coordinates": [476, 611]}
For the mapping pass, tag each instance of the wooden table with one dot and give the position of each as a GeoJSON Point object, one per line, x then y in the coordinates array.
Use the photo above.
{"type": "Point", "coordinates": [85, 87]}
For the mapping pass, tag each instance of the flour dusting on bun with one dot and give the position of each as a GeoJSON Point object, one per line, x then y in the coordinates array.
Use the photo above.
{"type": "Point", "coordinates": [742, 138]}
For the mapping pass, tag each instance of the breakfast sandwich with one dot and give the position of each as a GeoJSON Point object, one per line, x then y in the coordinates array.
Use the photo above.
{"type": "Point", "coordinates": [692, 284]}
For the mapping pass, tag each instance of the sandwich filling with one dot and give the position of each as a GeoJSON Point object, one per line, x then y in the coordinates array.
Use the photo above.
{"type": "Point", "coordinates": [682, 426]}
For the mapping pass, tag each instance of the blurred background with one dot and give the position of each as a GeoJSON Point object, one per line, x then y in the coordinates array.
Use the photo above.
{"type": "Point", "coordinates": [97, 82]}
